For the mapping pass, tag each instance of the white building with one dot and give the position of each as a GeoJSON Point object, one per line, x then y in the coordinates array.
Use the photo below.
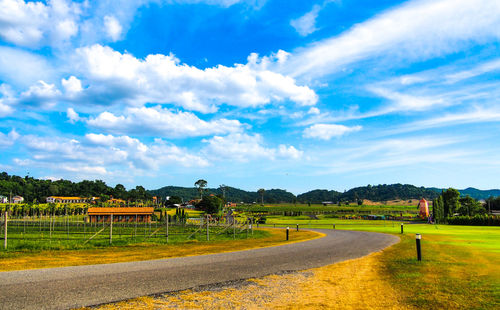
{"type": "Point", "coordinates": [17, 199]}
{"type": "Point", "coordinates": [59, 199]}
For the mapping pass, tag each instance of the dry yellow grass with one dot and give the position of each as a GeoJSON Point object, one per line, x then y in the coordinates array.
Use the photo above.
{"type": "Point", "coordinates": [47, 259]}
{"type": "Point", "coordinates": [354, 284]}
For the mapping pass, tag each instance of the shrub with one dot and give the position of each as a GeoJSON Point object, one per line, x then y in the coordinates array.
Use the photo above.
{"type": "Point", "coordinates": [477, 220]}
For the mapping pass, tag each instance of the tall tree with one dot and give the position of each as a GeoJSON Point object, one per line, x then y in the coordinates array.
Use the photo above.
{"type": "Point", "coordinates": [200, 184]}
{"type": "Point", "coordinates": [451, 201]}
{"type": "Point", "coordinates": [261, 192]}
{"type": "Point", "coordinates": [223, 188]}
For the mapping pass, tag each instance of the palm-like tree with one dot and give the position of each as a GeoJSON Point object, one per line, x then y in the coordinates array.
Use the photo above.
{"type": "Point", "coordinates": [201, 184]}
{"type": "Point", "coordinates": [261, 192]}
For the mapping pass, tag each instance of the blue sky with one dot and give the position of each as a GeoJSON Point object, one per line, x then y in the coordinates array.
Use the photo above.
{"type": "Point", "coordinates": [277, 94]}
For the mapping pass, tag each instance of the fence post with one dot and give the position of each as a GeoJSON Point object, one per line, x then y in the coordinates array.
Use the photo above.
{"type": "Point", "coordinates": [5, 232]}
{"type": "Point", "coordinates": [208, 234]}
{"type": "Point", "coordinates": [135, 228]}
{"type": "Point", "coordinates": [234, 228]}
{"type": "Point", "coordinates": [111, 230]}
{"type": "Point", "coordinates": [419, 249]}
{"type": "Point", "coordinates": [166, 220]}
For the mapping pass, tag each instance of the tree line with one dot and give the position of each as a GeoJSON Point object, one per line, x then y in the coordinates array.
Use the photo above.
{"type": "Point", "coordinates": [37, 190]}
{"type": "Point", "coordinates": [450, 204]}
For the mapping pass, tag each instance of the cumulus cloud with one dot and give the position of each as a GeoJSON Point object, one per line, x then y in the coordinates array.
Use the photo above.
{"type": "Point", "coordinates": [162, 122]}
{"type": "Point", "coordinates": [32, 24]}
{"type": "Point", "coordinates": [418, 29]}
{"type": "Point", "coordinates": [115, 77]}
{"type": "Point", "coordinates": [244, 147]}
{"type": "Point", "coordinates": [328, 131]}
{"type": "Point", "coordinates": [41, 94]}
{"type": "Point", "coordinates": [104, 153]}
{"type": "Point", "coordinates": [72, 85]}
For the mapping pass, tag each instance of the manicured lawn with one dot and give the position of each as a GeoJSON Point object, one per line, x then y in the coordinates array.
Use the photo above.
{"type": "Point", "coordinates": [460, 267]}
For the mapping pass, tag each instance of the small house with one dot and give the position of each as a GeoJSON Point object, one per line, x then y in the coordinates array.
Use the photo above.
{"type": "Point", "coordinates": [17, 199]}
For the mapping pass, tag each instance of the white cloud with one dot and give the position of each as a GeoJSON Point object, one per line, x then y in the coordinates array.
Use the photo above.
{"type": "Point", "coordinates": [7, 140]}
{"type": "Point", "coordinates": [6, 100]}
{"type": "Point", "coordinates": [416, 30]}
{"type": "Point", "coordinates": [162, 122]}
{"type": "Point", "coordinates": [372, 155]}
{"type": "Point", "coordinates": [306, 24]}
{"type": "Point", "coordinates": [72, 85]}
{"type": "Point", "coordinates": [113, 27]}
{"type": "Point", "coordinates": [406, 102]}
{"type": "Point", "coordinates": [32, 24]}
{"type": "Point", "coordinates": [72, 115]}
{"type": "Point", "coordinates": [116, 77]}
{"type": "Point", "coordinates": [328, 131]}
{"type": "Point", "coordinates": [41, 94]}
{"type": "Point", "coordinates": [22, 68]}
{"type": "Point", "coordinates": [98, 153]}
{"type": "Point", "coordinates": [314, 111]}
{"type": "Point", "coordinates": [470, 116]}
{"type": "Point", "coordinates": [244, 148]}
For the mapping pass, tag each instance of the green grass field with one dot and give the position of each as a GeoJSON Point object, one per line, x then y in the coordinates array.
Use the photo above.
{"type": "Point", "coordinates": [284, 207]}
{"type": "Point", "coordinates": [65, 233]}
{"type": "Point", "coordinates": [460, 268]}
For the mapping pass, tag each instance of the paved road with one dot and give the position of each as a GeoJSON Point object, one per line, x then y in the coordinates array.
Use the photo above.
{"type": "Point", "coordinates": [70, 287]}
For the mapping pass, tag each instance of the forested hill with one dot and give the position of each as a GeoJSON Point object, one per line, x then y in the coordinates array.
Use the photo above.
{"type": "Point", "coordinates": [232, 194]}
{"type": "Point", "coordinates": [33, 189]}
{"type": "Point", "coordinates": [37, 190]}
{"type": "Point", "coordinates": [374, 193]}
{"type": "Point", "coordinates": [474, 192]}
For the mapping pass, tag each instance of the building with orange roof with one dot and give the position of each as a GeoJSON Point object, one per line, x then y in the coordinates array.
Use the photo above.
{"type": "Point", "coordinates": [126, 214]}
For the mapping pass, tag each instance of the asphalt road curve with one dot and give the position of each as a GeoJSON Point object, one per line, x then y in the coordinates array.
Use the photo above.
{"type": "Point", "coordinates": [71, 287]}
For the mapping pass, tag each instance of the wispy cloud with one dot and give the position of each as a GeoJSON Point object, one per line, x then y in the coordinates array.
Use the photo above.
{"type": "Point", "coordinates": [417, 30]}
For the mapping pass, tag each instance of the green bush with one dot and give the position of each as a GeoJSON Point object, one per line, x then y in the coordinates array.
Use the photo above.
{"type": "Point", "coordinates": [477, 220]}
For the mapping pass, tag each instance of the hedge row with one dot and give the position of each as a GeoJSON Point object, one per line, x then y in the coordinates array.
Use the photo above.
{"type": "Point", "coordinates": [477, 220]}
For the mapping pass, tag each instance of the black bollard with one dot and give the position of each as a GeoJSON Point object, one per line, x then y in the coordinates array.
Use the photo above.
{"type": "Point", "coordinates": [401, 227]}
{"type": "Point", "coordinates": [297, 227]}
{"type": "Point", "coordinates": [287, 232]}
{"type": "Point", "coordinates": [419, 249]}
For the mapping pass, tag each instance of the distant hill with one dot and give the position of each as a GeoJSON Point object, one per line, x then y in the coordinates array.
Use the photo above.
{"type": "Point", "coordinates": [374, 193]}
{"type": "Point", "coordinates": [232, 194]}
{"type": "Point", "coordinates": [319, 195]}
{"type": "Point", "coordinates": [473, 192]}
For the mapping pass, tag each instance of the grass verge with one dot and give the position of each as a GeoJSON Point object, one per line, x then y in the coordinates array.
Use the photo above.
{"type": "Point", "coordinates": [460, 268]}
